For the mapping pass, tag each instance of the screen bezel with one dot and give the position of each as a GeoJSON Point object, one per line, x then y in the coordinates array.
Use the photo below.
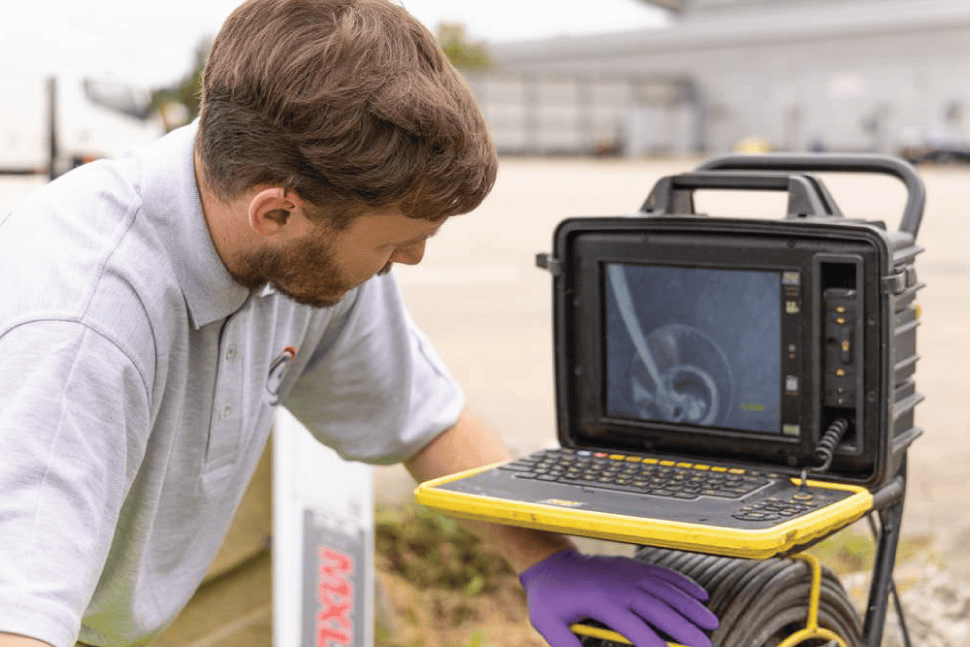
{"type": "Point", "coordinates": [817, 246]}
{"type": "Point", "coordinates": [581, 360]}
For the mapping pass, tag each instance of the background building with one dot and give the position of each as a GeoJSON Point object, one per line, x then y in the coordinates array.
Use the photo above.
{"type": "Point", "coordinates": [850, 75]}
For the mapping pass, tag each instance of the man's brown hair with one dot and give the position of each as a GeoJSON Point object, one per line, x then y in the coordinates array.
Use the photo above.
{"type": "Point", "coordinates": [349, 103]}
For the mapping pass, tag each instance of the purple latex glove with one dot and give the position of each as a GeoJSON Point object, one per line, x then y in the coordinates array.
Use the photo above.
{"type": "Point", "coordinates": [627, 596]}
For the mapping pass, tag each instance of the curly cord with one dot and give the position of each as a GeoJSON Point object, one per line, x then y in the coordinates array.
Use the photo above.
{"type": "Point", "coordinates": [825, 451]}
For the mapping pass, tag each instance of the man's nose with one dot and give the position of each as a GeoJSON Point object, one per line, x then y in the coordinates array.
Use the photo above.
{"type": "Point", "coordinates": [409, 254]}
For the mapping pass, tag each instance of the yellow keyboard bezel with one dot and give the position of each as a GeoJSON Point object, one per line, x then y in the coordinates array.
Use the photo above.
{"type": "Point", "coordinates": [567, 519]}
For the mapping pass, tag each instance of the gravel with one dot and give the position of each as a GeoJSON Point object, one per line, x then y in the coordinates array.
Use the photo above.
{"type": "Point", "coordinates": [936, 606]}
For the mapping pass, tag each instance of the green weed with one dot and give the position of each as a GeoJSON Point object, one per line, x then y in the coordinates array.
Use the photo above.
{"type": "Point", "coordinates": [852, 550]}
{"type": "Point", "coordinates": [430, 550]}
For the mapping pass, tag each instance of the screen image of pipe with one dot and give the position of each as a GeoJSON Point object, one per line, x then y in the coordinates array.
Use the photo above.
{"type": "Point", "coordinates": [694, 346]}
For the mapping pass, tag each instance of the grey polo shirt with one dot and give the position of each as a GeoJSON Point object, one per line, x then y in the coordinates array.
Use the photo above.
{"type": "Point", "coordinates": [138, 385]}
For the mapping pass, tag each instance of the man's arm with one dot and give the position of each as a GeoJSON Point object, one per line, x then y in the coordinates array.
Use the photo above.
{"type": "Point", "coordinates": [85, 411]}
{"type": "Point", "coordinates": [471, 443]}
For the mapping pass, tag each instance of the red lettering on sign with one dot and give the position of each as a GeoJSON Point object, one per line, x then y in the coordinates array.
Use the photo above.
{"type": "Point", "coordinates": [334, 568]}
{"type": "Point", "coordinates": [328, 636]}
{"type": "Point", "coordinates": [335, 595]}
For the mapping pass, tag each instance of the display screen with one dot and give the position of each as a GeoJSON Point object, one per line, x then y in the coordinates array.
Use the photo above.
{"type": "Point", "coordinates": [694, 346]}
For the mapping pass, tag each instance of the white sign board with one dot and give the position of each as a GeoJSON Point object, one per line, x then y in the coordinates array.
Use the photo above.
{"type": "Point", "coordinates": [323, 543]}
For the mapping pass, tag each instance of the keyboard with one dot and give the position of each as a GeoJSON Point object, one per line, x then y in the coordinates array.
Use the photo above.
{"type": "Point", "coordinates": [638, 474]}
{"type": "Point", "coordinates": [720, 508]}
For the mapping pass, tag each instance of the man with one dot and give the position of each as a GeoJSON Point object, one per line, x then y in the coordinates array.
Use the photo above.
{"type": "Point", "coordinates": [157, 308]}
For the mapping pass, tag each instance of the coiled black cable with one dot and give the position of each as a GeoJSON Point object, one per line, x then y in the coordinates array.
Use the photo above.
{"type": "Point", "coordinates": [830, 440]}
{"type": "Point", "coordinates": [759, 602]}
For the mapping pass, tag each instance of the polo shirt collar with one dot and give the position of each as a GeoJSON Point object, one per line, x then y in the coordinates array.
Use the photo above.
{"type": "Point", "coordinates": [170, 197]}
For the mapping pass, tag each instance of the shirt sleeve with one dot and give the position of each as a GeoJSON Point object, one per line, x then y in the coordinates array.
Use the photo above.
{"type": "Point", "coordinates": [73, 421]}
{"type": "Point", "coordinates": [375, 390]}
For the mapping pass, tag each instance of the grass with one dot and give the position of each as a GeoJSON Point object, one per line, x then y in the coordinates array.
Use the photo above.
{"type": "Point", "coordinates": [433, 551]}
{"type": "Point", "coordinates": [853, 550]}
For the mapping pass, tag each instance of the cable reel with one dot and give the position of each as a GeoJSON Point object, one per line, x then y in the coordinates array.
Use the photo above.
{"type": "Point", "coordinates": [779, 602]}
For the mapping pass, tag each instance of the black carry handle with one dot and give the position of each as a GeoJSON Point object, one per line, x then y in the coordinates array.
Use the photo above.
{"type": "Point", "coordinates": [837, 163]}
{"type": "Point", "coordinates": [806, 195]}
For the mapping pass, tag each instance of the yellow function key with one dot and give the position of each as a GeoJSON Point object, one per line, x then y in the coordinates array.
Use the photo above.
{"type": "Point", "coordinates": [617, 457]}
{"type": "Point", "coordinates": [702, 468]}
{"type": "Point", "coordinates": [651, 461]}
{"type": "Point", "coordinates": [736, 470]}
{"type": "Point", "coordinates": [633, 459]}
{"type": "Point", "coordinates": [667, 463]}
{"type": "Point", "coordinates": [717, 468]}
{"type": "Point", "coordinates": [685, 465]}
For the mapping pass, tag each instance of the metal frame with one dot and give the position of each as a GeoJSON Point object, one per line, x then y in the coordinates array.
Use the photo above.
{"type": "Point", "coordinates": [888, 504]}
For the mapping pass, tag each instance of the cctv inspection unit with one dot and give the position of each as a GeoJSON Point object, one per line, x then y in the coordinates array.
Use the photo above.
{"type": "Point", "coordinates": [730, 391]}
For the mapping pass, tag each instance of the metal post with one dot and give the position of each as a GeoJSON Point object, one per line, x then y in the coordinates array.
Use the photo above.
{"type": "Point", "coordinates": [584, 120]}
{"type": "Point", "coordinates": [533, 119]}
{"type": "Point", "coordinates": [52, 126]}
{"type": "Point", "coordinates": [692, 95]}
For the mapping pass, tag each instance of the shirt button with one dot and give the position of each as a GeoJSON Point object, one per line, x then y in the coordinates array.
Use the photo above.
{"type": "Point", "coordinates": [226, 410]}
{"type": "Point", "coordinates": [231, 351]}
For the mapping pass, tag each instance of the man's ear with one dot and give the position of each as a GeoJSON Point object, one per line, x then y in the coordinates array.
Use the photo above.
{"type": "Point", "coordinates": [271, 209]}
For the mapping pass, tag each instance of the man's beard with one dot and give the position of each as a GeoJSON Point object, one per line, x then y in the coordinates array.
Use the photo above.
{"type": "Point", "coordinates": [306, 272]}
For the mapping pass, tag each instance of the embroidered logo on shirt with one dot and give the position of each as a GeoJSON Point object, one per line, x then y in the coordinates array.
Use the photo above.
{"type": "Point", "coordinates": [277, 371]}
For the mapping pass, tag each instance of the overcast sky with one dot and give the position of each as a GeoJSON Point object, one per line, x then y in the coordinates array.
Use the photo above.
{"type": "Point", "coordinates": [151, 42]}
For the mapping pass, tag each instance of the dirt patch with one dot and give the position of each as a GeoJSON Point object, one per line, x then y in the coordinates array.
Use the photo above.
{"type": "Point", "coordinates": [442, 588]}
{"type": "Point", "coordinates": [436, 617]}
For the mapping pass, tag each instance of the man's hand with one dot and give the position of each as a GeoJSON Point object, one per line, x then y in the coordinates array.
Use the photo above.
{"type": "Point", "coordinates": [630, 597]}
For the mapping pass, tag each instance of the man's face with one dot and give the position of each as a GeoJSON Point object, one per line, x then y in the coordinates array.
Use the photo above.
{"type": "Point", "coordinates": [319, 268]}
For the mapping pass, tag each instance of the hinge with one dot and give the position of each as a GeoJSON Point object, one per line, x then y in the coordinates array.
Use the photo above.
{"type": "Point", "coordinates": [547, 262]}
{"type": "Point", "coordinates": [894, 283]}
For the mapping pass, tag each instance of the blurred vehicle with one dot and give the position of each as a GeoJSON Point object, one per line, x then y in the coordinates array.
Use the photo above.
{"type": "Point", "coordinates": [946, 146]}
{"type": "Point", "coordinates": [752, 146]}
{"type": "Point", "coordinates": [49, 125]}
